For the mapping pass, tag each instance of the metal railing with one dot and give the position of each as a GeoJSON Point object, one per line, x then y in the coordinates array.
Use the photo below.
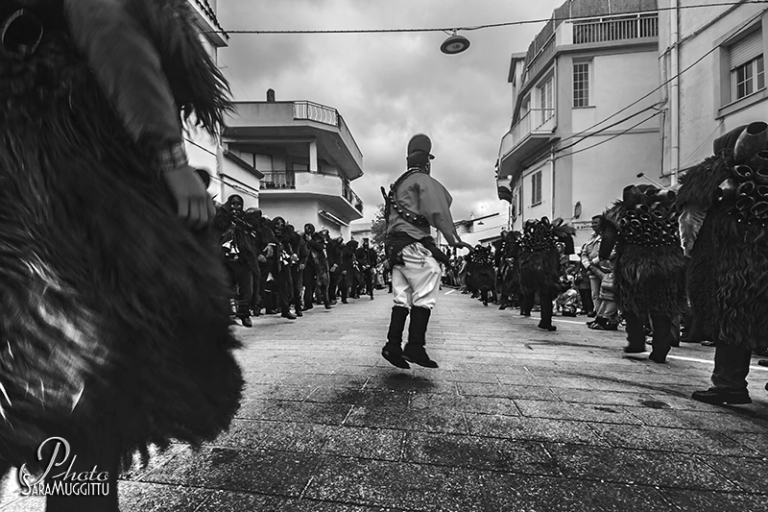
{"type": "Point", "coordinates": [315, 112]}
{"type": "Point", "coordinates": [531, 121]}
{"type": "Point", "coordinates": [279, 180]}
{"type": "Point", "coordinates": [615, 29]}
{"type": "Point", "coordinates": [541, 59]}
{"type": "Point", "coordinates": [350, 196]}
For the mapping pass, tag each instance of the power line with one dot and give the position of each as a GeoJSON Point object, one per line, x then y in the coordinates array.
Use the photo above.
{"type": "Point", "coordinates": [613, 136]}
{"type": "Point", "coordinates": [481, 27]}
{"type": "Point", "coordinates": [709, 52]}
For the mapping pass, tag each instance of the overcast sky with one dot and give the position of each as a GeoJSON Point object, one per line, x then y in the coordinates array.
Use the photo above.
{"type": "Point", "coordinates": [388, 86]}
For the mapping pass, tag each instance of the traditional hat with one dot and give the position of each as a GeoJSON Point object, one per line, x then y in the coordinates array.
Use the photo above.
{"type": "Point", "coordinates": [419, 144]}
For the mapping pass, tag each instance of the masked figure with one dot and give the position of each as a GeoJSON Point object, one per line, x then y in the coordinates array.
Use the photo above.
{"type": "Point", "coordinates": [724, 229]}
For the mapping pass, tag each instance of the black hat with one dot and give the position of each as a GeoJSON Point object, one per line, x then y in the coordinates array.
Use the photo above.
{"type": "Point", "coordinates": [419, 144]}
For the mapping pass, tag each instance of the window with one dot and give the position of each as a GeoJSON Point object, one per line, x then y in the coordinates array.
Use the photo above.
{"type": "Point", "coordinates": [547, 105]}
{"type": "Point", "coordinates": [580, 84]}
{"type": "Point", "coordinates": [536, 188]}
{"type": "Point", "coordinates": [747, 65]}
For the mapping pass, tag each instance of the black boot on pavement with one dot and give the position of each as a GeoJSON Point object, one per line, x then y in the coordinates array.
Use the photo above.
{"type": "Point", "coordinates": [414, 351]}
{"type": "Point", "coordinates": [393, 351]}
{"type": "Point", "coordinates": [716, 396]}
{"type": "Point", "coordinates": [246, 320]}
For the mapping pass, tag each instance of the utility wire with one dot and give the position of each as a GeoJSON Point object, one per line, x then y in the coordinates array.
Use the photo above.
{"type": "Point", "coordinates": [481, 27]}
{"type": "Point", "coordinates": [613, 136]}
{"type": "Point", "coordinates": [664, 84]}
{"type": "Point", "coordinates": [592, 134]}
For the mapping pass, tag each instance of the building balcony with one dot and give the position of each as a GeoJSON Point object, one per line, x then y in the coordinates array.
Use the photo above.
{"type": "Point", "coordinates": [534, 131]}
{"type": "Point", "coordinates": [280, 123]}
{"type": "Point", "coordinates": [302, 184]}
{"type": "Point", "coordinates": [599, 31]}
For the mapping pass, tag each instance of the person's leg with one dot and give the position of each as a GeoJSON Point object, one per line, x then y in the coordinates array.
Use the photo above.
{"type": "Point", "coordinates": [423, 273]}
{"type": "Point", "coordinates": [635, 333]}
{"type": "Point", "coordinates": [392, 350]}
{"type": "Point", "coordinates": [244, 280]}
{"type": "Point", "coordinates": [594, 287]}
{"type": "Point", "coordinates": [256, 297]}
{"type": "Point", "coordinates": [344, 287]}
{"type": "Point", "coordinates": [729, 377]}
{"type": "Point", "coordinates": [284, 291]}
{"type": "Point", "coordinates": [527, 300]}
{"type": "Point", "coordinates": [546, 298]}
{"type": "Point", "coordinates": [661, 326]}
{"type": "Point", "coordinates": [310, 285]}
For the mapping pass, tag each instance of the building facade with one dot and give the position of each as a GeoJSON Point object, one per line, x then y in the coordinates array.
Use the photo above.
{"type": "Point", "coordinates": [713, 61]}
{"type": "Point", "coordinates": [308, 158]}
{"type": "Point", "coordinates": [587, 112]}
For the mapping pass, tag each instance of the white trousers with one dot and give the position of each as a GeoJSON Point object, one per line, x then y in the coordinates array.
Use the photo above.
{"type": "Point", "coordinates": [417, 282]}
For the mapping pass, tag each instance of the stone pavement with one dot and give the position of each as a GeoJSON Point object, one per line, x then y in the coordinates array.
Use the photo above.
{"type": "Point", "coordinates": [515, 419]}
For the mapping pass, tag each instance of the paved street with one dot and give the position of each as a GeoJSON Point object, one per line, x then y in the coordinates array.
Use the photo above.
{"type": "Point", "coordinates": [515, 419]}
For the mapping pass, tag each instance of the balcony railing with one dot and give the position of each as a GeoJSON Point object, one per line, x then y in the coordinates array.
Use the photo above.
{"type": "Point", "coordinates": [541, 59]}
{"type": "Point", "coordinates": [279, 180]}
{"type": "Point", "coordinates": [353, 198]}
{"type": "Point", "coordinates": [615, 29]}
{"type": "Point", "coordinates": [315, 112]}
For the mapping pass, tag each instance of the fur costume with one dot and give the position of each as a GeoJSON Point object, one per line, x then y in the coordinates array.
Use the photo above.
{"type": "Point", "coordinates": [115, 316]}
{"type": "Point", "coordinates": [481, 277]}
{"type": "Point", "coordinates": [724, 201]}
{"type": "Point", "coordinates": [649, 270]}
{"type": "Point", "coordinates": [539, 263]}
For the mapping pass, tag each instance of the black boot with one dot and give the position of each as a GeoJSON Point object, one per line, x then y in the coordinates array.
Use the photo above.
{"type": "Point", "coordinates": [393, 351]}
{"type": "Point", "coordinates": [414, 349]}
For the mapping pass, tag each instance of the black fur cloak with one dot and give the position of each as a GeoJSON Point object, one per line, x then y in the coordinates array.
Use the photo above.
{"type": "Point", "coordinates": [728, 270]}
{"type": "Point", "coordinates": [539, 261]}
{"type": "Point", "coordinates": [649, 269]}
{"type": "Point", "coordinates": [114, 317]}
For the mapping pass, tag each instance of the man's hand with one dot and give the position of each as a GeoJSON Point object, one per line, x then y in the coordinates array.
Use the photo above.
{"type": "Point", "coordinates": [194, 205]}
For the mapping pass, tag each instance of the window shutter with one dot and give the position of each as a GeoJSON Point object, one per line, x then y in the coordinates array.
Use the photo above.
{"type": "Point", "coordinates": [747, 49]}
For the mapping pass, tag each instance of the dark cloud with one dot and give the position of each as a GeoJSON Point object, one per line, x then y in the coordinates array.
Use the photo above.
{"type": "Point", "coordinates": [388, 86]}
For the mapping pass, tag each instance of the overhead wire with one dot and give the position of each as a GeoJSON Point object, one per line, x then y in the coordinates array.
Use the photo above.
{"type": "Point", "coordinates": [485, 26]}
{"type": "Point", "coordinates": [612, 136]}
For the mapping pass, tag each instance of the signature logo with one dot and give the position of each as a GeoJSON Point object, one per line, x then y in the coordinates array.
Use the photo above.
{"type": "Point", "coordinates": [65, 483]}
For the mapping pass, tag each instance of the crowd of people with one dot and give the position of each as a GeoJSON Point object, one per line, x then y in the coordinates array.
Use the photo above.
{"type": "Point", "coordinates": [275, 269]}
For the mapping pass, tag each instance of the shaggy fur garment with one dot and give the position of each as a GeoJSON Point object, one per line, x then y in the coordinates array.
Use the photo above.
{"type": "Point", "coordinates": [113, 315]}
{"type": "Point", "coordinates": [727, 278]}
{"type": "Point", "coordinates": [647, 279]}
{"type": "Point", "coordinates": [481, 276]}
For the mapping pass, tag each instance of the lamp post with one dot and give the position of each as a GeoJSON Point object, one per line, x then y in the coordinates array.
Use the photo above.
{"type": "Point", "coordinates": [454, 44]}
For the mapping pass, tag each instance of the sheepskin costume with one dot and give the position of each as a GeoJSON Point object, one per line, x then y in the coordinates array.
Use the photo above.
{"type": "Point", "coordinates": [114, 317]}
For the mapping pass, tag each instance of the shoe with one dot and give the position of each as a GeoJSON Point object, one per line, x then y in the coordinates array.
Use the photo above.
{"type": "Point", "coordinates": [308, 307]}
{"type": "Point", "coordinates": [396, 359]}
{"type": "Point", "coordinates": [503, 307]}
{"type": "Point", "coordinates": [524, 314]}
{"type": "Point", "coordinates": [327, 306]}
{"type": "Point", "coordinates": [371, 296]}
{"type": "Point", "coordinates": [271, 312]}
{"type": "Point", "coordinates": [299, 313]}
{"type": "Point", "coordinates": [657, 359]}
{"type": "Point", "coordinates": [629, 349]}
{"type": "Point", "coordinates": [334, 302]}
{"type": "Point", "coordinates": [707, 343]}
{"type": "Point", "coordinates": [289, 315]}
{"type": "Point", "coordinates": [549, 327]}
{"type": "Point", "coordinates": [344, 301]}
{"type": "Point", "coordinates": [593, 314]}
{"type": "Point", "coordinates": [763, 362]}
{"type": "Point", "coordinates": [716, 396]}
{"type": "Point", "coordinates": [417, 354]}
{"type": "Point", "coordinates": [246, 320]}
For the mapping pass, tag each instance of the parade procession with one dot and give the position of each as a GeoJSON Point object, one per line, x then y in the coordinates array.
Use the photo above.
{"type": "Point", "coordinates": [544, 288]}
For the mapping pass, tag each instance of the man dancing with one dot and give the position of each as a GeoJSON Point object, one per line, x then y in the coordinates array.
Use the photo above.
{"type": "Point", "coordinates": [415, 202]}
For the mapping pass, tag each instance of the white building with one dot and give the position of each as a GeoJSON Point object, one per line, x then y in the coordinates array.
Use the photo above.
{"type": "Point", "coordinates": [566, 153]}
{"type": "Point", "coordinates": [713, 59]}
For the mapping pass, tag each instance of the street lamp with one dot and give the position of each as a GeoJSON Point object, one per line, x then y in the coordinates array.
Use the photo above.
{"type": "Point", "coordinates": [454, 44]}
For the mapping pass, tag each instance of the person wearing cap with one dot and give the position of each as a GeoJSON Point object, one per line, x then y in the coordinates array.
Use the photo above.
{"type": "Point", "coordinates": [416, 202]}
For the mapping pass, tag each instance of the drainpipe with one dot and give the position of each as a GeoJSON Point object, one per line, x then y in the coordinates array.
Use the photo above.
{"type": "Point", "coordinates": [552, 179]}
{"type": "Point", "coordinates": [674, 119]}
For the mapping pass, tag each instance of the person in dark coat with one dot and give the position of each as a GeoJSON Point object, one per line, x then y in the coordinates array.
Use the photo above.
{"type": "Point", "coordinates": [540, 265]}
{"type": "Point", "coordinates": [335, 249]}
{"type": "Point", "coordinates": [316, 273]}
{"type": "Point", "coordinates": [261, 236]}
{"type": "Point", "coordinates": [724, 214]}
{"type": "Point", "coordinates": [649, 267]}
{"type": "Point", "coordinates": [114, 309]}
{"type": "Point", "coordinates": [239, 253]}
{"type": "Point", "coordinates": [299, 255]}
{"type": "Point", "coordinates": [279, 259]}
{"type": "Point", "coordinates": [481, 276]}
{"type": "Point", "coordinates": [367, 259]}
{"type": "Point", "coordinates": [349, 267]}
